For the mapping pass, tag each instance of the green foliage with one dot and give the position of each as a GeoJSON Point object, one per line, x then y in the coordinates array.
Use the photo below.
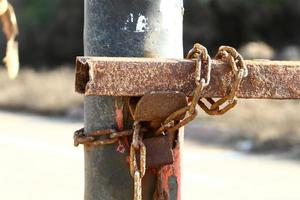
{"type": "Point", "coordinates": [51, 30]}
{"type": "Point", "coordinates": [38, 12]}
{"type": "Point", "coordinates": [234, 22]}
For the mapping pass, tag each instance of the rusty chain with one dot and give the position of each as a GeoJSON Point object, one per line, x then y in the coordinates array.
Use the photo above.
{"type": "Point", "coordinates": [172, 123]}
{"type": "Point", "coordinates": [92, 138]}
{"type": "Point", "coordinates": [238, 66]}
{"type": "Point", "coordinates": [200, 55]}
{"type": "Point", "coordinates": [137, 171]}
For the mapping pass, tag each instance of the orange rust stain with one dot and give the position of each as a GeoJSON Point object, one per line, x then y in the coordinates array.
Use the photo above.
{"type": "Point", "coordinates": [177, 168]}
{"type": "Point", "coordinates": [120, 124]}
{"type": "Point", "coordinates": [171, 170]}
{"type": "Point", "coordinates": [127, 159]}
{"type": "Point", "coordinates": [121, 147]}
{"type": "Point", "coordinates": [119, 115]}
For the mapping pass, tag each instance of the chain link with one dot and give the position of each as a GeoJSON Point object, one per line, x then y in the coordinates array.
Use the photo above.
{"type": "Point", "coordinates": [200, 55]}
{"type": "Point", "coordinates": [170, 124]}
{"type": "Point", "coordinates": [236, 61]}
{"type": "Point", "coordinates": [92, 138]}
{"type": "Point", "coordinates": [137, 171]}
{"type": "Point", "coordinates": [238, 66]}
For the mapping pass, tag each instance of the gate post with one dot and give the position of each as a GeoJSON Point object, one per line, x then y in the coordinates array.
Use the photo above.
{"type": "Point", "coordinates": [127, 28]}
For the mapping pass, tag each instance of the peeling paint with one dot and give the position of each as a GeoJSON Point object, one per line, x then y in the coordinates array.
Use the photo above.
{"type": "Point", "coordinates": [121, 147]}
{"type": "Point", "coordinates": [142, 24]}
{"type": "Point", "coordinates": [119, 105]}
{"type": "Point", "coordinates": [136, 23]}
{"type": "Point", "coordinates": [169, 177]}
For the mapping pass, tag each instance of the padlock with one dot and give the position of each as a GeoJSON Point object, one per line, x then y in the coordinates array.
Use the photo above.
{"type": "Point", "coordinates": [157, 106]}
{"type": "Point", "coordinates": [159, 152]}
{"type": "Point", "coordinates": [151, 110]}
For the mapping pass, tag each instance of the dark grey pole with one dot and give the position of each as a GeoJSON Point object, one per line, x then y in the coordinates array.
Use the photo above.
{"type": "Point", "coordinates": [123, 28]}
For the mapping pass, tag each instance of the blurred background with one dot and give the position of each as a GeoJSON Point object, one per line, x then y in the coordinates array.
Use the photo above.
{"type": "Point", "coordinates": [252, 152]}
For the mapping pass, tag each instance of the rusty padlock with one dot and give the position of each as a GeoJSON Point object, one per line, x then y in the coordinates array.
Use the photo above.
{"type": "Point", "coordinates": [156, 106]}
{"type": "Point", "coordinates": [152, 109]}
{"type": "Point", "coordinates": [159, 151]}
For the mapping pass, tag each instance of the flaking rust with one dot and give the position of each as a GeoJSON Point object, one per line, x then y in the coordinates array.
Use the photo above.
{"type": "Point", "coordinates": [107, 76]}
{"type": "Point", "coordinates": [81, 75]}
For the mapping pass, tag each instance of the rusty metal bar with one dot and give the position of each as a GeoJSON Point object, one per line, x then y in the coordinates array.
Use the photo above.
{"type": "Point", "coordinates": [106, 76]}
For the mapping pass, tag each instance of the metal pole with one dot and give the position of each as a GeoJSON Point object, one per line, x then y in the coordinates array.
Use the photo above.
{"type": "Point", "coordinates": [124, 28]}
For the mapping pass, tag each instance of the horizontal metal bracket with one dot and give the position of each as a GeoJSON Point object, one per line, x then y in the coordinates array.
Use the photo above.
{"type": "Point", "coordinates": [119, 76]}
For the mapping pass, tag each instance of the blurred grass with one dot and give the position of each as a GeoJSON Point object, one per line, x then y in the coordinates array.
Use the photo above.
{"type": "Point", "coordinates": [43, 92]}
{"type": "Point", "coordinates": [265, 125]}
{"type": "Point", "coordinates": [271, 117]}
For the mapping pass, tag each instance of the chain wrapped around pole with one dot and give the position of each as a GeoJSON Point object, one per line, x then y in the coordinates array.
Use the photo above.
{"type": "Point", "coordinates": [175, 120]}
{"type": "Point", "coordinates": [137, 171]}
{"type": "Point", "coordinates": [92, 138]}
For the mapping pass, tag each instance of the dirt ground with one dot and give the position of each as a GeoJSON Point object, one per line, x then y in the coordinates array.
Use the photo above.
{"type": "Point", "coordinates": [253, 126]}
{"type": "Point", "coordinates": [39, 161]}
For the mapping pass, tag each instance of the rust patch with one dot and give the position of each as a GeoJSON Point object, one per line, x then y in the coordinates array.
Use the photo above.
{"type": "Point", "coordinates": [81, 75]}
{"type": "Point", "coordinates": [119, 106]}
{"type": "Point", "coordinates": [159, 151]}
{"type": "Point", "coordinates": [158, 106]}
{"type": "Point", "coordinates": [165, 188]}
{"type": "Point", "coordinates": [120, 148]}
{"type": "Point", "coordinates": [138, 76]}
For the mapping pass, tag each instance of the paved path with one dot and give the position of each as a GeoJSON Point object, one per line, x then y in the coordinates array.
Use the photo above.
{"type": "Point", "coordinates": [38, 162]}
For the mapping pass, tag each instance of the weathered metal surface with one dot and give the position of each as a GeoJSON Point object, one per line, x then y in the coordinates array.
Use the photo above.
{"type": "Point", "coordinates": [81, 76]}
{"type": "Point", "coordinates": [138, 76]}
{"type": "Point", "coordinates": [133, 76]}
{"type": "Point", "coordinates": [159, 151]}
{"type": "Point", "coordinates": [158, 106]}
